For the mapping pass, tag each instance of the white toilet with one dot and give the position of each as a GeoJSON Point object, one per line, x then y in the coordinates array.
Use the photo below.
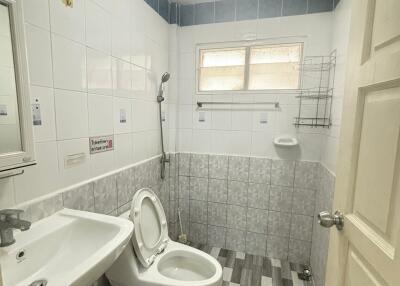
{"type": "Point", "coordinates": [153, 259]}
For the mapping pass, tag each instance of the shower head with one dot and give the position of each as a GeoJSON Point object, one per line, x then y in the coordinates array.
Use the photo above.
{"type": "Point", "coordinates": [165, 77]}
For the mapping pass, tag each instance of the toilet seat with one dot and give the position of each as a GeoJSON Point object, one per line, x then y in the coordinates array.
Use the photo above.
{"type": "Point", "coordinates": [150, 237]}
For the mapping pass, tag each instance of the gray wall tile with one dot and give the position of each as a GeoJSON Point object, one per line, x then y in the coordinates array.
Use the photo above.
{"type": "Point", "coordinates": [198, 188]}
{"type": "Point", "coordinates": [236, 240]}
{"type": "Point", "coordinates": [204, 13]}
{"type": "Point", "coordinates": [260, 170]}
{"type": "Point", "coordinates": [43, 208]}
{"type": "Point", "coordinates": [301, 227]}
{"type": "Point", "coordinates": [257, 220]}
{"type": "Point", "coordinates": [198, 211]}
{"type": "Point", "coordinates": [270, 8]}
{"type": "Point", "coordinates": [237, 193]}
{"type": "Point", "coordinates": [294, 7]}
{"type": "Point", "coordinates": [280, 198]}
{"type": "Point", "coordinates": [306, 175]}
{"type": "Point", "coordinates": [218, 166]}
{"type": "Point", "coordinates": [125, 186]}
{"type": "Point", "coordinates": [218, 191]}
{"type": "Point", "coordinates": [282, 173]}
{"type": "Point", "coordinates": [216, 236]}
{"type": "Point", "coordinates": [246, 9]}
{"type": "Point", "coordinates": [198, 233]}
{"type": "Point", "coordinates": [303, 202]}
{"type": "Point", "coordinates": [299, 251]}
{"type": "Point", "coordinates": [186, 15]}
{"type": "Point", "coordinates": [277, 247]}
{"type": "Point", "coordinates": [258, 196]}
{"type": "Point", "coordinates": [81, 198]}
{"type": "Point", "coordinates": [238, 168]}
{"type": "Point", "coordinates": [224, 11]}
{"type": "Point", "coordinates": [256, 243]}
{"type": "Point", "coordinates": [184, 187]}
{"type": "Point", "coordinates": [184, 164]}
{"type": "Point", "coordinates": [236, 217]}
{"type": "Point", "coordinates": [105, 195]}
{"type": "Point", "coordinates": [318, 6]}
{"type": "Point", "coordinates": [217, 214]}
{"type": "Point", "coordinates": [199, 165]}
{"type": "Point", "coordinates": [279, 223]}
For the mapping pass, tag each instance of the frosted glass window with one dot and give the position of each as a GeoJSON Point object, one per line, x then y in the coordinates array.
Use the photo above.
{"type": "Point", "coordinates": [222, 69]}
{"type": "Point", "coordinates": [275, 67]}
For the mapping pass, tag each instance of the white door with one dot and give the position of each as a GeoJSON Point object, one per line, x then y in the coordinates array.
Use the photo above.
{"type": "Point", "coordinates": [367, 251]}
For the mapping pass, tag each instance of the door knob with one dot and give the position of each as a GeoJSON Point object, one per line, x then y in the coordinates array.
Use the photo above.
{"type": "Point", "coordinates": [326, 219]}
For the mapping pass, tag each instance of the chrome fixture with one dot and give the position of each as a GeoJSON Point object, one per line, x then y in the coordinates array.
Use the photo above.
{"type": "Point", "coordinates": [160, 98]}
{"type": "Point", "coordinates": [10, 220]}
{"type": "Point", "coordinates": [326, 219]}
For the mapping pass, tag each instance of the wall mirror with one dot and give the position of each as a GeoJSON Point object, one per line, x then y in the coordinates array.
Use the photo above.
{"type": "Point", "coordinates": [16, 139]}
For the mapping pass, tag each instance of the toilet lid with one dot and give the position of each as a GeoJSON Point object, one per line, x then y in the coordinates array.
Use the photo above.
{"type": "Point", "coordinates": [151, 231]}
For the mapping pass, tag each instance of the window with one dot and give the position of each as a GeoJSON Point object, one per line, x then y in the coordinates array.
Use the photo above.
{"type": "Point", "coordinates": [250, 68]}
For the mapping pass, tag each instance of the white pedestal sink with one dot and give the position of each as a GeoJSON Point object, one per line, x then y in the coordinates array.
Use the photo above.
{"type": "Point", "coordinates": [68, 248]}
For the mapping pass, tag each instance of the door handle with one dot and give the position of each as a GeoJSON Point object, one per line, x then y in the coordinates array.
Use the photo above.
{"type": "Point", "coordinates": [326, 219]}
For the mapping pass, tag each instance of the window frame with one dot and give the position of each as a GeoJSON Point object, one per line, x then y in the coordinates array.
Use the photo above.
{"type": "Point", "coordinates": [247, 45]}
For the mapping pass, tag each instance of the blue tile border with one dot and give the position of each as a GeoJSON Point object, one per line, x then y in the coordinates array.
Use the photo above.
{"type": "Point", "coordinates": [220, 11]}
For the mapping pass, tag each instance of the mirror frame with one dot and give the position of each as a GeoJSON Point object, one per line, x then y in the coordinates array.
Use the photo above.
{"type": "Point", "coordinates": [25, 157]}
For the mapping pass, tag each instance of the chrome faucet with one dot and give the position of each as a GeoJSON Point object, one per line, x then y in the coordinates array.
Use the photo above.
{"type": "Point", "coordinates": [10, 220]}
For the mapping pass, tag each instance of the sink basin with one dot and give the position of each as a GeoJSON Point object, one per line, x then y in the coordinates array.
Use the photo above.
{"type": "Point", "coordinates": [68, 248]}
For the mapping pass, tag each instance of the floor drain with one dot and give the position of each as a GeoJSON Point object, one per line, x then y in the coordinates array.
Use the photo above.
{"type": "Point", "coordinates": [42, 282]}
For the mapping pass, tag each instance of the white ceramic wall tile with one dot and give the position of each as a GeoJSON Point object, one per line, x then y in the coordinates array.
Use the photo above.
{"type": "Point", "coordinates": [201, 141]}
{"type": "Point", "coordinates": [68, 22]}
{"type": "Point", "coordinates": [69, 64]}
{"type": "Point", "coordinates": [123, 151]}
{"type": "Point", "coordinates": [7, 198]}
{"type": "Point", "coordinates": [99, 72]}
{"type": "Point", "coordinates": [100, 115]}
{"type": "Point", "coordinates": [98, 27]}
{"type": "Point", "coordinates": [121, 39]}
{"type": "Point", "coordinates": [122, 115]}
{"type": "Point", "coordinates": [38, 46]}
{"type": "Point", "coordinates": [37, 13]}
{"type": "Point", "coordinates": [141, 148]}
{"type": "Point", "coordinates": [121, 80]}
{"type": "Point", "coordinates": [138, 81]}
{"type": "Point", "coordinates": [43, 99]}
{"type": "Point", "coordinates": [185, 116]}
{"type": "Point", "coordinates": [77, 169]}
{"type": "Point", "coordinates": [71, 114]}
{"type": "Point", "coordinates": [101, 163]}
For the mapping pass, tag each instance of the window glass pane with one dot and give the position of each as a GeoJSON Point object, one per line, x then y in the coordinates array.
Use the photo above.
{"type": "Point", "coordinates": [223, 57]}
{"type": "Point", "coordinates": [221, 78]}
{"type": "Point", "coordinates": [276, 54]}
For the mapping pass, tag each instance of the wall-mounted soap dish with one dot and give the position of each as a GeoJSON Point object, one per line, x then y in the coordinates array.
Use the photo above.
{"type": "Point", "coordinates": [285, 141]}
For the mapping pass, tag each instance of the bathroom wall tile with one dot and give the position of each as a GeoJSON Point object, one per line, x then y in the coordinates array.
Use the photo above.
{"type": "Point", "coordinates": [37, 13]}
{"type": "Point", "coordinates": [318, 6]}
{"type": "Point", "coordinates": [98, 27]}
{"type": "Point", "coordinates": [294, 7]}
{"type": "Point", "coordinates": [218, 166]}
{"type": "Point", "coordinates": [216, 236]}
{"type": "Point", "coordinates": [258, 196]}
{"type": "Point", "coordinates": [280, 199]}
{"type": "Point", "coordinates": [198, 188]}
{"type": "Point", "coordinates": [306, 175]}
{"type": "Point", "coordinates": [125, 186]}
{"type": "Point", "coordinates": [198, 233]}
{"type": "Point", "coordinates": [38, 48]}
{"type": "Point", "coordinates": [237, 193]}
{"type": "Point", "coordinates": [217, 214]}
{"type": "Point", "coordinates": [184, 205]}
{"type": "Point", "coordinates": [100, 110]}
{"type": "Point", "coordinates": [224, 11]}
{"type": "Point", "coordinates": [186, 15]}
{"type": "Point", "coordinates": [173, 13]}
{"type": "Point", "coordinates": [81, 198]}
{"type": "Point", "coordinates": [246, 9]}
{"type": "Point", "coordinates": [198, 211]}
{"type": "Point", "coordinates": [184, 187]}
{"type": "Point", "coordinates": [120, 40]}
{"type": "Point", "coordinates": [270, 8]}
{"type": "Point", "coordinates": [122, 110]}
{"type": "Point", "coordinates": [163, 9]}
{"type": "Point", "coordinates": [279, 223]}
{"type": "Point", "coordinates": [184, 164]}
{"type": "Point", "coordinates": [301, 227]}
{"type": "Point", "coordinates": [99, 72]}
{"type": "Point", "coordinates": [218, 191]}
{"type": "Point", "coordinates": [303, 202]}
{"type": "Point", "coordinates": [105, 195]}
{"type": "Point", "coordinates": [299, 251]}
{"type": "Point", "coordinates": [44, 96]}
{"type": "Point", "coordinates": [260, 170]}
{"type": "Point", "coordinates": [124, 208]}
{"type": "Point", "coordinates": [282, 173]}
{"type": "Point", "coordinates": [277, 247]}
{"type": "Point", "coordinates": [238, 168]}
{"type": "Point", "coordinates": [256, 243]}
{"type": "Point", "coordinates": [257, 220]}
{"type": "Point", "coordinates": [236, 217]}
{"type": "Point", "coordinates": [122, 78]}
{"type": "Point", "coordinates": [153, 4]}
{"type": "Point", "coordinates": [236, 240]}
{"type": "Point", "coordinates": [199, 165]}
{"type": "Point", "coordinates": [204, 13]}
{"type": "Point", "coordinates": [44, 208]}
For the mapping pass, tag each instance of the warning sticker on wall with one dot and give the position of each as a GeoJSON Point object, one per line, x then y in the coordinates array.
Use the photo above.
{"type": "Point", "coordinates": [101, 144]}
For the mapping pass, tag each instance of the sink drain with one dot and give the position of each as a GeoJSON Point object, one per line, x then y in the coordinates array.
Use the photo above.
{"type": "Point", "coordinates": [42, 282]}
